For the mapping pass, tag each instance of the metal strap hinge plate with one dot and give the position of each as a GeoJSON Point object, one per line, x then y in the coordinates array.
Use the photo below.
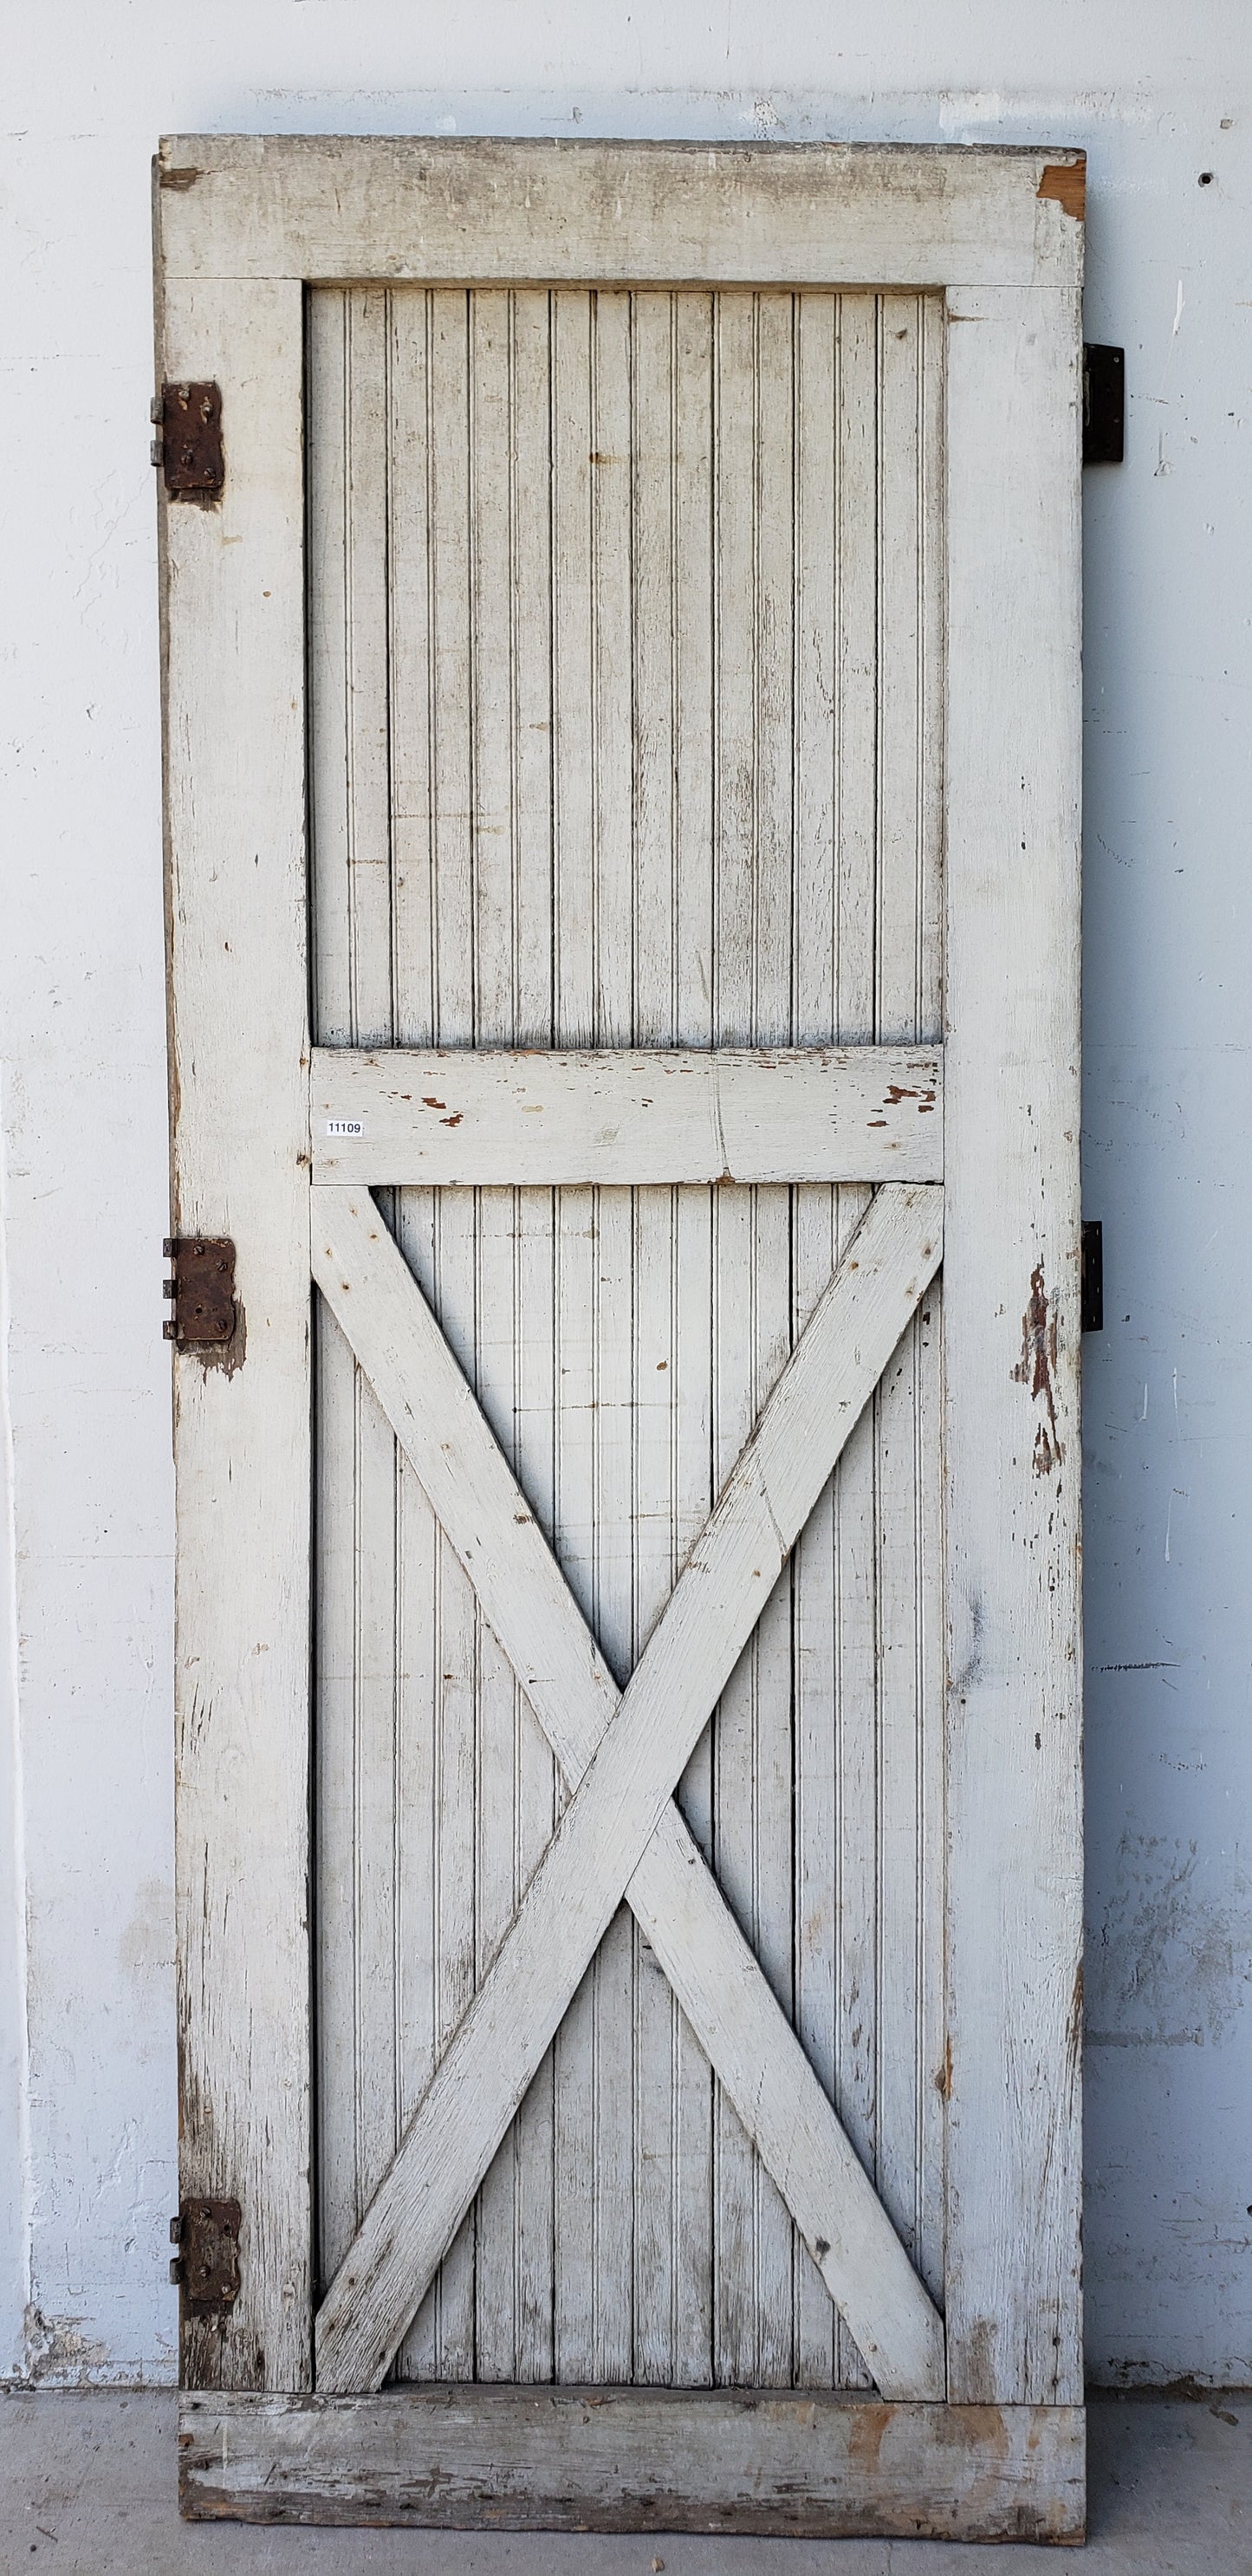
{"type": "Point", "coordinates": [206, 2266]}
{"type": "Point", "coordinates": [188, 445]}
{"type": "Point", "coordinates": [1092, 1276]}
{"type": "Point", "coordinates": [202, 1288]}
{"type": "Point", "coordinates": [1103, 405]}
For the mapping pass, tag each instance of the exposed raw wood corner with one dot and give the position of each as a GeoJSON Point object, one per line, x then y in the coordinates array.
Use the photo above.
{"type": "Point", "coordinates": [1066, 181]}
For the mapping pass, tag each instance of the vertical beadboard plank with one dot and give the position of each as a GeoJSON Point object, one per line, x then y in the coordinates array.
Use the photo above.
{"type": "Point", "coordinates": [574, 2055]}
{"type": "Point", "coordinates": [334, 1515]}
{"type": "Point", "coordinates": [612, 2179]}
{"type": "Point", "coordinates": [417, 1648]}
{"type": "Point", "coordinates": [612, 712]}
{"type": "Point", "coordinates": [613, 1500]}
{"type": "Point", "coordinates": [854, 1496]}
{"type": "Point", "coordinates": [673, 2251]}
{"type": "Point", "coordinates": [659, 2067]}
{"type": "Point", "coordinates": [931, 2123]}
{"type": "Point", "coordinates": [491, 499]}
{"type": "Point", "coordinates": [593, 783]}
{"type": "Point", "coordinates": [734, 533]}
{"type": "Point", "coordinates": [691, 445]}
{"type": "Point", "coordinates": [813, 1209]}
{"type": "Point", "coordinates": [411, 318]}
{"type": "Point", "coordinates": [234, 710]}
{"type": "Point", "coordinates": [573, 823]}
{"type": "Point", "coordinates": [512, 931]}
{"type": "Point", "coordinates": [413, 558]}
{"type": "Point", "coordinates": [656, 1390]}
{"type": "Point", "coordinates": [369, 1472]}
{"type": "Point", "coordinates": [692, 2130]}
{"type": "Point", "coordinates": [772, 1788]}
{"type": "Point", "coordinates": [910, 1724]}
{"type": "Point", "coordinates": [458, 1623]}
{"type": "Point", "coordinates": [1011, 1333]}
{"type": "Point", "coordinates": [540, 1793]}
{"type": "Point", "coordinates": [672, 1285]}
{"type": "Point", "coordinates": [361, 1823]}
{"type": "Point", "coordinates": [327, 371]}
{"type": "Point", "coordinates": [903, 1904]}
{"type": "Point", "coordinates": [539, 1789]}
{"type": "Point", "coordinates": [753, 988]}
{"type": "Point", "coordinates": [933, 618]}
{"type": "Point", "coordinates": [457, 1629]}
{"type": "Point", "coordinates": [501, 1718]}
{"type": "Point", "coordinates": [573, 743]}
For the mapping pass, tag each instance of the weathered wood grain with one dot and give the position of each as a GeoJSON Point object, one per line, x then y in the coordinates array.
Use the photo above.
{"type": "Point", "coordinates": [812, 2464]}
{"type": "Point", "coordinates": [467, 1118]}
{"type": "Point", "coordinates": [234, 784]}
{"type": "Point", "coordinates": [448, 210]}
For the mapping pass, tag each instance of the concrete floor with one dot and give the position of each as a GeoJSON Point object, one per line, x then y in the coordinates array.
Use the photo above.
{"type": "Point", "coordinates": [87, 2489]}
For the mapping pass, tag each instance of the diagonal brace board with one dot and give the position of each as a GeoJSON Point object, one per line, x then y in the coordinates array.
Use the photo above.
{"type": "Point", "coordinates": [622, 1797]}
{"type": "Point", "coordinates": [718, 1980]}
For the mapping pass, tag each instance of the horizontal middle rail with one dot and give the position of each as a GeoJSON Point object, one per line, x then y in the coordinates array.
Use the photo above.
{"type": "Point", "coordinates": [474, 1117]}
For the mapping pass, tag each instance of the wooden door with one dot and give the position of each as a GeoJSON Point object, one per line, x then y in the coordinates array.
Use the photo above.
{"type": "Point", "coordinates": [622, 742]}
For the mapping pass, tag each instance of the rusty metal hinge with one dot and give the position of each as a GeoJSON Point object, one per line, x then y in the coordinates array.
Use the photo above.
{"type": "Point", "coordinates": [206, 2266]}
{"type": "Point", "coordinates": [203, 1288]}
{"type": "Point", "coordinates": [1092, 1276]}
{"type": "Point", "coordinates": [188, 445]}
{"type": "Point", "coordinates": [1103, 405]}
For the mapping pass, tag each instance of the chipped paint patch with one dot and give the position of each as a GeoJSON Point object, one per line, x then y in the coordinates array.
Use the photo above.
{"type": "Point", "coordinates": [57, 2353]}
{"type": "Point", "coordinates": [1066, 183]}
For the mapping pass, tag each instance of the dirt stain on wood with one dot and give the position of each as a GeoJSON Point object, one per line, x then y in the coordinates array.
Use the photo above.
{"type": "Point", "coordinates": [1036, 1369]}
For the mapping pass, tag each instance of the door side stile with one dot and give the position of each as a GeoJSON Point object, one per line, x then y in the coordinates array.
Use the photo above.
{"type": "Point", "coordinates": [234, 725]}
{"type": "Point", "coordinates": [1011, 1335]}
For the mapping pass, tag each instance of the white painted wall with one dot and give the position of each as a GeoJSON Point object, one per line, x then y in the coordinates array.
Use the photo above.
{"type": "Point", "coordinates": [1157, 94]}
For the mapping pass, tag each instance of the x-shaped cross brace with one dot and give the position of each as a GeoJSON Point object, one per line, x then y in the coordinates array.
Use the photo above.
{"type": "Point", "coordinates": [622, 1755]}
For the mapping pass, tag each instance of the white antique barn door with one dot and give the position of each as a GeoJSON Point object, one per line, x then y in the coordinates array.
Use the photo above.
{"type": "Point", "coordinates": [622, 740]}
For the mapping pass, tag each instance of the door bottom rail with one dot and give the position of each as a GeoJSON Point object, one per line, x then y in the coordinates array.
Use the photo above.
{"type": "Point", "coordinates": [811, 2463]}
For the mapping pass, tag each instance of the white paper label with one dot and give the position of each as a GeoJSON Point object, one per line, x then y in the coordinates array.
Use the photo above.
{"type": "Point", "coordinates": [345, 1127]}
